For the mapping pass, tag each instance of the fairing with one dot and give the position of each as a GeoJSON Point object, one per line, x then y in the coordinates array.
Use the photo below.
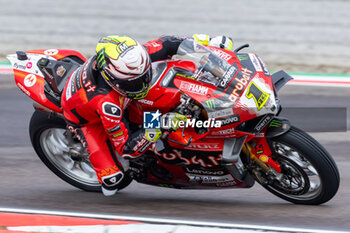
{"type": "Point", "coordinates": [30, 79]}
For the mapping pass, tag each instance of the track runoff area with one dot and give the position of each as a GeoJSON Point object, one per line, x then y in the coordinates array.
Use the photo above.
{"type": "Point", "coordinates": [24, 220]}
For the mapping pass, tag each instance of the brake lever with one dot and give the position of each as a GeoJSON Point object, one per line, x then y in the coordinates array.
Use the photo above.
{"type": "Point", "coordinates": [189, 141]}
{"type": "Point", "coordinates": [241, 47]}
{"type": "Point", "coordinates": [166, 135]}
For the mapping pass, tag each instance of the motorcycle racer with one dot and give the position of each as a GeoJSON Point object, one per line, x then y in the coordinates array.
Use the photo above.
{"type": "Point", "coordinates": [96, 97]}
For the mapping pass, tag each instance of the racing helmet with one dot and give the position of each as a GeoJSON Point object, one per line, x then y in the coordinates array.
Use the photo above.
{"type": "Point", "coordinates": [125, 65]}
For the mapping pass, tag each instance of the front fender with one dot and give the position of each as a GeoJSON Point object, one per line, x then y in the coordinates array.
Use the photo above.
{"type": "Point", "coordinates": [277, 127]}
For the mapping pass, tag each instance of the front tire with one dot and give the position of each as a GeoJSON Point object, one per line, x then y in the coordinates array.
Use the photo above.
{"type": "Point", "coordinates": [310, 175]}
{"type": "Point", "coordinates": [63, 154]}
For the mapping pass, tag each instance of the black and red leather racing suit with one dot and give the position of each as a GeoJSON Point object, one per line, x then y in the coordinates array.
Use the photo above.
{"type": "Point", "coordinates": [94, 111]}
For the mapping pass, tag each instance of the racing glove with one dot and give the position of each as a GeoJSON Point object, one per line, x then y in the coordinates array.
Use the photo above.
{"type": "Point", "coordinates": [153, 135]}
{"type": "Point", "coordinates": [223, 42]}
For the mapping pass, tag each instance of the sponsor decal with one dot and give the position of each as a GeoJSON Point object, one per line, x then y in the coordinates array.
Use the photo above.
{"type": "Point", "coordinates": [275, 123]}
{"type": "Point", "coordinates": [221, 113]}
{"type": "Point", "coordinates": [264, 67]}
{"type": "Point", "coordinates": [260, 97]}
{"type": "Point", "coordinates": [118, 134]}
{"type": "Point", "coordinates": [87, 83]}
{"type": "Point", "coordinates": [227, 77]}
{"type": "Point", "coordinates": [151, 120]}
{"type": "Point", "coordinates": [210, 104]}
{"type": "Point", "coordinates": [114, 129]}
{"type": "Point", "coordinates": [123, 48]}
{"type": "Point", "coordinates": [60, 71]}
{"type": "Point", "coordinates": [51, 52]}
{"type": "Point", "coordinates": [167, 185]}
{"type": "Point", "coordinates": [264, 158]}
{"type": "Point", "coordinates": [255, 62]}
{"type": "Point", "coordinates": [229, 120]}
{"type": "Point", "coordinates": [19, 66]}
{"type": "Point", "coordinates": [204, 179]}
{"type": "Point", "coordinates": [144, 101]}
{"type": "Point", "coordinates": [262, 123]}
{"type": "Point", "coordinates": [259, 149]}
{"type": "Point", "coordinates": [226, 184]}
{"type": "Point", "coordinates": [242, 57]}
{"type": "Point", "coordinates": [111, 109]}
{"type": "Point", "coordinates": [241, 83]}
{"type": "Point", "coordinates": [29, 65]}
{"type": "Point", "coordinates": [224, 132]}
{"type": "Point", "coordinates": [223, 55]}
{"type": "Point", "coordinates": [197, 171]}
{"type": "Point", "coordinates": [185, 76]}
{"type": "Point", "coordinates": [168, 77]}
{"type": "Point", "coordinates": [155, 44]}
{"type": "Point", "coordinates": [111, 120]}
{"type": "Point", "coordinates": [119, 140]}
{"type": "Point", "coordinates": [178, 156]}
{"type": "Point", "coordinates": [29, 80]}
{"type": "Point", "coordinates": [194, 88]}
{"type": "Point", "coordinates": [71, 86]}
{"type": "Point", "coordinates": [203, 146]}
{"type": "Point", "coordinates": [79, 135]}
{"type": "Point", "coordinates": [141, 145]}
{"type": "Point", "coordinates": [23, 89]}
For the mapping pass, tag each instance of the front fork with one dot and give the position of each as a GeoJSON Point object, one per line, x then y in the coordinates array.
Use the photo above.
{"type": "Point", "coordinates": [258, 150]}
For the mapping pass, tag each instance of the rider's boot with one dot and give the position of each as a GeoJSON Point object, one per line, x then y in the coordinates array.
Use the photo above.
{"type": "Point", "coordinates": [110, 183]}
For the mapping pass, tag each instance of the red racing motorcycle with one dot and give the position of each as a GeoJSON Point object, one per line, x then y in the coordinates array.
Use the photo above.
{"type": "Point", "coordinates": [233, 138]}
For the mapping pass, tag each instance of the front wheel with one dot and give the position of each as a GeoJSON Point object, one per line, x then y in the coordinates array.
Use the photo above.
{"type": "Point", "coordinates": [309, 174]}
{"type": "Point", "coordinates": [63, 154]}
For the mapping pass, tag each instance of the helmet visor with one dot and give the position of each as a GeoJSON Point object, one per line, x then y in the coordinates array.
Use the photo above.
{"type": "Point", "coordinates": [134, 85]}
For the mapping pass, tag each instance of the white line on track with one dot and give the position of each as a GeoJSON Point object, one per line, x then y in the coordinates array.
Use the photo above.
{"type": "Point", "coordinates": [170, 221]}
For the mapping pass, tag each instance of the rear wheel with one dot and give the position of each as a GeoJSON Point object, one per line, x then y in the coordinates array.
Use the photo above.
{"type": "Point", "coordinates": [309, 174]}
{"type": "Point", "coordinates": [63, 154]}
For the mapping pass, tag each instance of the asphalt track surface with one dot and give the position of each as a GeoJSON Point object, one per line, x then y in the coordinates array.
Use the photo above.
{"type": "Point", "coordinates": [26, 183]}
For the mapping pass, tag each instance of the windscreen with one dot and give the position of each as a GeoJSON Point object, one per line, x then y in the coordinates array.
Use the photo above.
{"type": "Point", "coordinates": [211, 68]}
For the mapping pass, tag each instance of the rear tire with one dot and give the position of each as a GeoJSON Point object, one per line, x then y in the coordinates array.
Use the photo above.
{"type": "Point", "coordinates": [49, 137]}
{"type": "Point", "coordinates": [308, 168]}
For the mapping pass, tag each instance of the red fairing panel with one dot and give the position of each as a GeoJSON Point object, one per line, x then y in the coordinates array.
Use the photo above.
{"type": "Point", "coordinates": [33, 86]}
{"type": "Point", "coordinates": [30, 80]}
